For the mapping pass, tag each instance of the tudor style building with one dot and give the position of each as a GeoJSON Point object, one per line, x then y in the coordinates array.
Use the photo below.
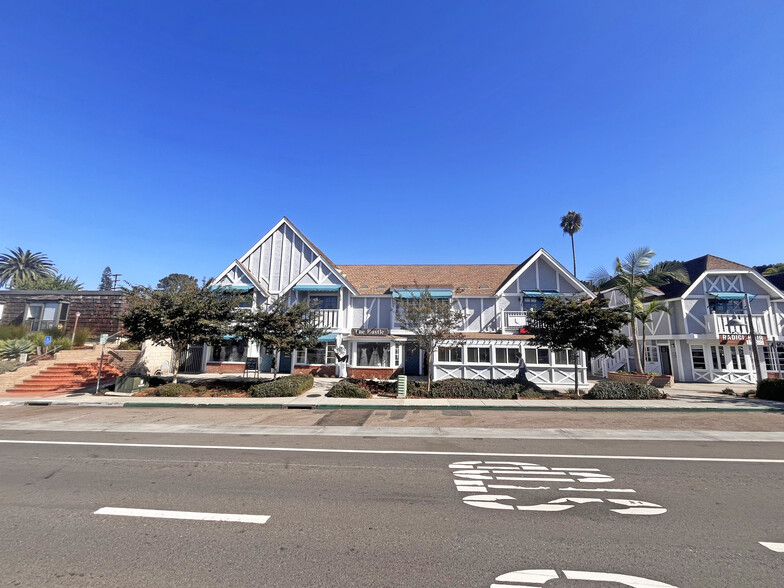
{"type": "Point", "coordinates": [706, 336]}
{"type": "Point", "coordinates": [356, 303]}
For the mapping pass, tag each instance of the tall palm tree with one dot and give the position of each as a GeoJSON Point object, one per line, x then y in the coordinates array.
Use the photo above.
{"type": "Point", "coordinates": [19, 264]}
{"type": "Point", "coordinates": [633, 276]}
{"type": "Point", "coordinates": [645, 314]}
{"type": "Point", "coordinates": [572, 222]}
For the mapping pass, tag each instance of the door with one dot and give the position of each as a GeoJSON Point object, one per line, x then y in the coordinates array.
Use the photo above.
{"type": "Point", "coordinates": [285, 363]}
{"type": "Point", "coordinates": [412, 361]}
{"type": "Point", "coordinates": [666, 365]}
{"type": "Point", "coordinates": [192, 360]}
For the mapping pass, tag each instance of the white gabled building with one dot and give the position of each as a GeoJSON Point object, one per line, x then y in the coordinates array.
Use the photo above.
{"type": "Point", "coordinates": [706, 335]}
{"type": "Point", "coordinates": [356, 303]}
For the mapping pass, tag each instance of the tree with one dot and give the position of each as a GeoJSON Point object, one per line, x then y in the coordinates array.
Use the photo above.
{"type": "Point", "coordinates": [177, 282]}
{"type": "Point", "coordinates": [432, 320]}
{"type": "Point", "coordinates": [577, 325]}
{"type": "Point", "coordinates": [645, 314]}
{"type": "Point", "coordinates": [571, 223]}
{"type": "Point", "coordinates": [106, 280]}
{"type": "Point", "coordinates": [634, 277]}
{"type": "Point", "coordinates": [19, 264]}
{"type": "Point", "coordinates": [179, 319]}
{"type": "Point", "coordinates": [280, 327]}
{"type": "Point", "coordinates": [772, 270]}
{"type": "Point", "coordinates": [55, 282]}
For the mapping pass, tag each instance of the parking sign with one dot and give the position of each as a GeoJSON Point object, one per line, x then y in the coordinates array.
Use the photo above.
{"type": "Point", "coordinates": [47, 341]}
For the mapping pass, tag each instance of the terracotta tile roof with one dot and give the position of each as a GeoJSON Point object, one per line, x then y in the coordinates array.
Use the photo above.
{"type": "Point", "coordinates": [463, 279]}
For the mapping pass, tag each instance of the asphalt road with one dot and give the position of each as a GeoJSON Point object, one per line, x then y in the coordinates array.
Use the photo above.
{"type": "Point", "coordinates": [384, 511]}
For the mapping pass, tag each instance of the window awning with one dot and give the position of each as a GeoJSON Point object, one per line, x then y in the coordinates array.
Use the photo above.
{"type": "Point", "coordinates": [540, 293]}
{"type": "Point", "coordinates": [316, 288]}
{"type": "Point", "coordinates": [731, 295]}
{"type": "Point", "coordinates": [328, 338]}
{"type": "Point", "coordinates": [240, 288]}
{"type": "Point", "coordinates": [230, 337]}
{"type": "Point", "coordinates": [417, 293]}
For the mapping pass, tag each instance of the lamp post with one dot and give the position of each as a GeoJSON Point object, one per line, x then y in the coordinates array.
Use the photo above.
{"type": "Point", "coordinates": [734, 322]}
{"type": "Point", "coordinates": [76, 323]}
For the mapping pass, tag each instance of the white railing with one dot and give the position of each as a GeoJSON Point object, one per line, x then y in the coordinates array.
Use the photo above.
{"type": "Point", "coordinates": [514, 319]}
{"type": "Point", "coordinates": [719, 324]}
{"type": "Point", "coordinates": [326, 317]}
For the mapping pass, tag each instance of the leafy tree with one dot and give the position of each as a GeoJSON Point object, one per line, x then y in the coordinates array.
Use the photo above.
{"type": "Point", "coordinates": [645, 314]}
{"type": "Point", "coordinates": [179, 319]}
{"type": "Point", "coordinates": [18, 264]}
{"type": "Point", "coordinates": [280, 327]}
{"type": "Point", "coordinates": [106, 280]}
{"type": "Point", "coordinates": [770, 270]}
{"type": "Point", "coordinates": [578, 325]}
{"type": "Point", "coordinates": [177, 282]}
{"type": "Point", "coordinates": [53, 282]}
{"type": "Point", "coordinates": [432, 320]}
{"type": "Point", "coordinates": [633, 277]}
{"type": "Point", "coordinates": [571, 223]}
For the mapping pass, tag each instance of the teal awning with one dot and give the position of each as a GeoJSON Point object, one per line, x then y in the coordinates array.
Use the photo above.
{"type": "Point", "coordinates": [316, 288]}
{"type": "Point", "coordinates": [540, 293]}
{"type": "Point", "coordinates": [328, 338]}
{"type": "Point", "coordinates": [241, 288]}
{"type": "Point", "coordinates": [230, 337]}
{"type": "Point", "coordinates": [417, 293]}
{"type": "Point", "coordinates": [731, 295]}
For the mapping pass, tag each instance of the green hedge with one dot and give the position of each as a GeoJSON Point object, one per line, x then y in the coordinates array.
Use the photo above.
{"type": "Point", "coordinates": [175, 390]}
{"type": "Point", "coordinates": [285, 386]}
{"type": "Point", "coordinates": [623, 391]}
{"type": "Point", "coordinates": [771, 389]}
{"type": "Point", "coordinates": [490, 389]}
{"type": "Point", "coordinates": [348, 389]}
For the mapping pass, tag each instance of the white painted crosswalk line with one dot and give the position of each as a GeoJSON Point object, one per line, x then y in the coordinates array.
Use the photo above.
{"type": "Point", "coordinates": [777, 547]}
{"type": "Point", "coordinates": [179, 514]}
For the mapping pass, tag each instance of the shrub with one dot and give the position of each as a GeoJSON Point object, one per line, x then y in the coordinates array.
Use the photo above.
{"type": "Point", "coordinates": [285, 386]}
{"type": "Point", "coordinates": [459, 388]}
{"type": "Point", "coordinates": [7, 366]}
{"type": "Point", "coordinates": [348, 389]}
{"type": "Point", "coordinates": [128, 346]}
{"type": "Point", "coordinates": [12, 332]}
{"type": "Point", "coordinates": [623, 391]}
{"type": "Point", "coordinates": [375, 386]}
{"type": "Point", "coordinates": [174, 390]}
{"type": "Point", "coordinates": [13, 348]}
{"type": "Point", "coordinates": [37, 339]}
{"type": "Point", "coordinates": [728, 391]}
{"type": "Point", "coordinates": [64, 343]}
{"type": "Point", "coordinates": [156, 381]}
{"type": "Point", "coordinates": [81, 336]}
{"type": "Point", "coordinates": [771, 389]}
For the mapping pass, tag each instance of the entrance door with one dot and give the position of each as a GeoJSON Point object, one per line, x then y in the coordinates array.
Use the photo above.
{"type": "Point", "coordinates": [285, 363]}
{"type": "Point", "coordinates": [666, 365]}
{"type": "Point", "coordinates": [412, 361]}
{"type": "Point", "coordinates": [191, 360]}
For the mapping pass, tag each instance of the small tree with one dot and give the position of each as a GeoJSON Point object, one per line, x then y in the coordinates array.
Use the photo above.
{"type": "Point", "coordinates": [281, 328]}
{"type": "Point", "coordinates": [644, 314]}
{"type": "Point", "coordinates": [577, 325]}
{"type": "Point", "coordinates": [432, 320]}
{"type": "Point", "coordinates": [106, 280]}
{"type": "Point", "coordinates": [19, 264]}
{"type": "Point", "coordinates": [177, 282]}
{"type": "Point", "coordinates": [56, 282]}
{"type": "Point", "coordinates": [178, 319]}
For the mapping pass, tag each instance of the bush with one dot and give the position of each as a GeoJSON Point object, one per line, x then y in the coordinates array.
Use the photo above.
{"type": "Point", "coordinates": [12, 332]}
{"type": "Point", "coordinates": [13, 348]}
{"type": "Point", "coordinates": [506, 388]}
{"type": "Point", "coordinates": [128, 346]}
{"type": "Point", "coordinates": [375, 386]}
{"type": "Point", "coordinates": [771, 389]}
{"type": "Point", "coordinates": [81, 336]}
{"type": "Point", "coordinates": [7, 366]}
{"type": "Point", "coordinates": [156, 381]}
{"type": "Point", "coordinates": [285, 386]}
{"type": "Point", "coordinates": [64, 343]}
{"type": "Point", "coordinates": [348, 389]}
{"type": "Point", "coordinates": [623, 391]}
{"type": "Point", "coordinates": [728, 391]}
{"type": "Point", "coordinates": [174, 390]}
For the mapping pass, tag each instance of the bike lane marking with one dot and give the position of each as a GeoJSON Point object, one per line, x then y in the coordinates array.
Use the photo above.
{"type": "Point", "coordinates": [184, 515]}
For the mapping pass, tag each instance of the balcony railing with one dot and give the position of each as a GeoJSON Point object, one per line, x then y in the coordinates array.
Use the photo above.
{"type": "Point", "coordinates": [719, 324]}
{"type": "Point", "coordinates": [326, 318]}
{"type": "Point", "coordinates": [515, 319]}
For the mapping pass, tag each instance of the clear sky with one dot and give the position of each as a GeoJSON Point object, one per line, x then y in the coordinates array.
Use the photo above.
{"type": "Point", "coordinates": [160, 137]}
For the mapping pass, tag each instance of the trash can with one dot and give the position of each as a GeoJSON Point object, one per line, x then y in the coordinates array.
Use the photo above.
{"type": "Point", "coordinates": [402, 386]}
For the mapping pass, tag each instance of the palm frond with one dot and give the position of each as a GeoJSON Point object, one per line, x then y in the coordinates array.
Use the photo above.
{"type": "Point", "coordinates": [638, 260]}
{"type": "Point", "coordinates": [600, 278]}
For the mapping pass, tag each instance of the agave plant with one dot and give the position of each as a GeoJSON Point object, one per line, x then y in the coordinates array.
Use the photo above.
{"type": "Point", "coordinates": [13, 348]}
{"type": "Point", "coordinates": [18, 265]}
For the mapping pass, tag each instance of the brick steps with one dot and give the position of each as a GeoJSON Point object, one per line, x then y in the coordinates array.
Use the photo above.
{"type": "Point", "coordinates": [63, 378]}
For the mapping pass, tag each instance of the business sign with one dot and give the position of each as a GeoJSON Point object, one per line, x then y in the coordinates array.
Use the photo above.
{"type": "Point", "coordinates": [740, 339]}
{"type": "Point", "coordinates": [370, 332]}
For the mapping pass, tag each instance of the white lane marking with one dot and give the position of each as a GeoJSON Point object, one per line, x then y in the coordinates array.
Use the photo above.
{"type": "Point", "coordinates": [533, 576]}
{"type": "Point", "coordinates": [536, 578]}
{"type": "Point", "coordinates": [633, 581]}
{"type": "Point", "coordinates": [393, 451]}
{"type": "Point", "coordinates": [777, 547]}
{"type": "Point", "coordinates": [627, 490]}
{"type": "Point", "coordinates": [180, 514]}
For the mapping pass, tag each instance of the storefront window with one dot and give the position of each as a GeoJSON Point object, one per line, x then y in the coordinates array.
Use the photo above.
{"type": "Point", "coordinates": [231, 350]}
{"type": "Point", "coordinates": [373, 354]}
{"type": "Point", "coordinates": [324, 353]}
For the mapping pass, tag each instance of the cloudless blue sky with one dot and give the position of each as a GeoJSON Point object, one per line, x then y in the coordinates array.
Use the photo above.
{"type": "Point", "coordinates": [160, 137]}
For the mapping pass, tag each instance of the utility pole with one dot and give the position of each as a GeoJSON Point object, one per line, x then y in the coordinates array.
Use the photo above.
{"type": "Point", "coordinates": [753, 334]}
{"type": "Point", "coordinates": [115, 276]}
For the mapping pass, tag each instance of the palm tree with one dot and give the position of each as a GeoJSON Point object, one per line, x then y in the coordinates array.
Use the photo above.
{"type": "Point", "coordinates": [572, 222]}
{"type": "Point", "coordinates": [645, 314]}
{"type": "Point", "coordinates": [18, 264]}
{"type": "Point", "coordinates": [633, 276]}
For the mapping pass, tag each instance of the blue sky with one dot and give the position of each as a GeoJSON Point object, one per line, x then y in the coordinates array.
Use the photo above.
{"type": "Point", "coordinates": [160, 137]}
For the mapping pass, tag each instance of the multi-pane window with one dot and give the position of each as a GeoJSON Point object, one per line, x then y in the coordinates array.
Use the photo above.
{"type": "Point", "coordinates": [46, 315]}
{"type": "Point", "coordinates": [651, 354]}
{"type": "Point", "coordinates": [323, 353]}
{"type": "Point", "coordinates": [450, 354]}
{"type": "Point", "coordinates": [766, 351]}
{"type": "Point", "coordinates": [564, 357]}
{"type": "Point", "coordinates": [507, 355]}
{"type": "Point", "coordinates": [373, 354]}
{"type": "Point", "coordinates": [738, 357]}
{"type": "Point", "coordinates": [719, 361]}
{"type": "Point", "coordinates": [323, 302]}
{"type": "Point", "coordinates": [532, 302]}
{"type": "Point", "coordinates": [537, 356]}
{"type": "Point", "coordinates": [698, 357]}
{"type": "Point", "coordinates": [478, 355]}
{"type": "Point", "coordinates": [716, 306]}
{"type": "Point", "coordinates": [230, 350]}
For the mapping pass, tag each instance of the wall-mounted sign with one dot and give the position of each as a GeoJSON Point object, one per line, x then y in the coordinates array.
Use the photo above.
{"type": "Point", "coordinates": [740, 339]}
{"type": "Point", "coordinates": [370, 332]}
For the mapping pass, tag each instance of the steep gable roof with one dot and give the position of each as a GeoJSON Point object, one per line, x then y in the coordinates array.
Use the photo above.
{"type": "Point", "coordinates": [695, 268]}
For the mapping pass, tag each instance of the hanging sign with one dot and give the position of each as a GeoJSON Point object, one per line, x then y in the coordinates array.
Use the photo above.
{"type": "Point", "coordinates": [370, 332]}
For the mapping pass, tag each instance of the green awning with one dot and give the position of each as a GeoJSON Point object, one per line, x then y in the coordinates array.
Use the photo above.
{"type": "Point", "coordinates": [417, 293]}
{"type": "Point", "coordinates": [241, 288]}
{"type": "Point", "coordinates": [540, 293]}
{"type": "Point", "coordinates": [316, 288]}
{"type": "Point", "coordinates": [732, 295]}
{"type": "Point", "coordinates": [328, 338]}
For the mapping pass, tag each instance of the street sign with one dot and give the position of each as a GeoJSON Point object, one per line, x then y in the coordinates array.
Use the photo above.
{"type": "Point", "coordinates": [104, 338]}
{"type": "Point", "coordinates": [47, 341]}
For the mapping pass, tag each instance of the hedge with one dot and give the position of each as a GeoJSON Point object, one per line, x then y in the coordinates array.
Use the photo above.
{"type": "Point", "coordinates": [490, 389]}
{"type": "Point", "coordinates": [174, 390]}
{"type": "Point", "coordinates": [285, 386]}
{"type": "Point", "coordinates": [623, 391]}
{"type": "Point", "coordinates": [771, 389]}
{"type": "Point", "coordinates": [348, 389]}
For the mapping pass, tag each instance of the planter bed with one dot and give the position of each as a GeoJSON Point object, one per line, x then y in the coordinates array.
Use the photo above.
{"type": "Point", "coordinates": [638, 378]}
